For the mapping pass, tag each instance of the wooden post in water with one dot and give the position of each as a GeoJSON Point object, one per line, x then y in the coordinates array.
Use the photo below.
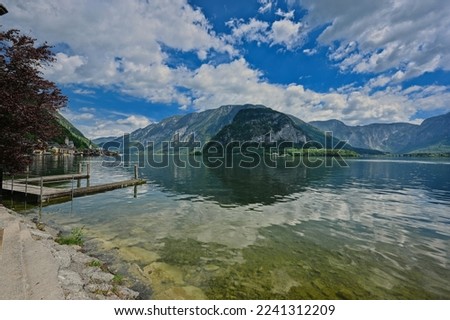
{"type": "Point", "coordinates": [42, 189]}
{"type": "Point", "coordinates": [73, 179]}
{"type": "Point", "coordinates": [26, 184]}
{"type": "Point", "coordinates": [12, 186]}
{"type": "Point", "coordinates": [80, 171]}
{"type": "Point", "coordinates": [88, 172]}
{"type": "Point", "coordinates": [40, 198]}
{"type": "Point", "coordinates": [136, 176]}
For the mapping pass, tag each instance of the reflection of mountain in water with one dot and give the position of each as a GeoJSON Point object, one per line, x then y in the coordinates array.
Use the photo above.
{"type": "Point", "coordinates": [237, 185]}
{"type": "Point", "coordinates": [265, 185]}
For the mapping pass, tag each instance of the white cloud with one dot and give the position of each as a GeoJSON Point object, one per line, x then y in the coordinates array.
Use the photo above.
{"type": "Point", "coordinates": [82, 115]}
{"type": "Point", "coordinates": [84, 92]}
{"type": "Point", "coordinates": [285, 32]}
{"type": "Point", "coordinates": [135, 121]}
{"type": "Point", "coordinates": [412, 36]}
{"type": "Point", "coordinates": [379, 81]}
{"type": "Point", "coordinates": [309, 51]}
{"type": "Point", "coordinates": [238, 83]}
{"type": "Point", "coordinates": [266, 5]}
{"type": "Point", "coordinates": [253, 30]}
{"type": "Point", "coordinates": [64, 70]}
{"type": "Point", "coordinates": [87, 109]}
{"type": "Point", "coordinates": [118, 43]}
{"type": "Point", "coordinates": [286, 15]}
{"type": "Point", "coordinates": [102, 123]}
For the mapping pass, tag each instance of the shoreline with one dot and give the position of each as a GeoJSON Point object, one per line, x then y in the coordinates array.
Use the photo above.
{"type": "Point", "coordinates": [35, 267]}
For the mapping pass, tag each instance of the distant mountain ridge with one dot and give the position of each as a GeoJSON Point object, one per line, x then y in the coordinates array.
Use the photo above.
{"type": "Point", "coordinates": [254, 122]}
{"type": "Point", "coordinates": [204, 125]}
{"type": "Point", "coordinates": [433, 135]}
{"type": "Point", "coordinates": [244, 123]}
{"type": "Point", "coordinates": [103, 140]}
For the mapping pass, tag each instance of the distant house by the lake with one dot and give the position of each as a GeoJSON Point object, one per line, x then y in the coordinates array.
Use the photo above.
{"type": "Point", "coordinates": [68, 148]}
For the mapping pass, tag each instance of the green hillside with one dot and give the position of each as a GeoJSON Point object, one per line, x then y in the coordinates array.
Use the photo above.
{"type": "Point", "coordinates": [68, 130]}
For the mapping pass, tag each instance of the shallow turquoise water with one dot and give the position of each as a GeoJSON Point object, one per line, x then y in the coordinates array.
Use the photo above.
{"type": "Point", "coordinates": [378, 229]}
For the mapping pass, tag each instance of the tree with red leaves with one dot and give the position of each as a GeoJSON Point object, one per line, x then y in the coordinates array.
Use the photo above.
{"type": "Point", "coordinates": [28, 102]}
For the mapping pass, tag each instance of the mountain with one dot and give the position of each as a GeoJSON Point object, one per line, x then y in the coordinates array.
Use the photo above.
{"type": "Point", "coordinates": [244, 123]}
{"type": "Point", "coordinates": [433, 135]}
{"type": "Point", "coordinates": [254, 125]}
{"type": "Point", "coordinates": [384, 137]}
{"type": "Point", "coordinates": [103, 140]}
{"type": "Point", "coordinates": [68, 130]}
{"type": "Point", "coordinates": [204, 125]}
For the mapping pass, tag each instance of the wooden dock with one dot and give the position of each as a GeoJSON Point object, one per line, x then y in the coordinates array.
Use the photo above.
{"type": "Point", "coordinates": [38, 193]}
{"type": "Point", "coordinates": [56, 178]}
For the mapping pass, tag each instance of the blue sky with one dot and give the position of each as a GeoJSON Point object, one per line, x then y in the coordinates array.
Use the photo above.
{"type": "Point", "coordinates": [125, 64]}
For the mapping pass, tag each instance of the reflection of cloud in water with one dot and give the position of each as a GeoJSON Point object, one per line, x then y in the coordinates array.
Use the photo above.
{"type": "Point", "coordinates": [365, 217]}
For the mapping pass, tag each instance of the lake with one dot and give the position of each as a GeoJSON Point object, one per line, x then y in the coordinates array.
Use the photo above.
{"type": "Point", "coordinates": [377, 229]}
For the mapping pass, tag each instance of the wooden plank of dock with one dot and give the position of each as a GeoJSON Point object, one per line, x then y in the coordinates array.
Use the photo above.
{"type": "Point", "coordinates": [36, 195]}
{"type": "Point", "coordinates": [56, 178]}
{"type": "Point", "coordinates": [78, 192]}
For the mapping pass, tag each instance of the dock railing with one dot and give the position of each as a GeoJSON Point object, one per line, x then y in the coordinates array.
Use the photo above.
{"type": "Point", "coordinates": [32, 187]}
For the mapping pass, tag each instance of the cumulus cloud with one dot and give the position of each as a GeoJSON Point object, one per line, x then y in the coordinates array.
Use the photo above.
{"type": "Point", "coordinates": [285, 33]}
{"type": "Point", "coordinates": [103, 123]}
{"type": "Point", "coordinates": [238, 83]}
{"type": "Point", "coordinates": [376, 36]}
{"type": "Point", "coordinates": [135, 121]}
{"type": "Point", "coordinates": [105, 51]}
{"type": "Point", "coordinates": [64, 70]}
{"type": "Point", "coordinates": [253, 30]}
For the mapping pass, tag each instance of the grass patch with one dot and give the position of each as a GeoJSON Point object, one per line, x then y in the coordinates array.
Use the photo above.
{"type": "Point", "coordinates": [95, 263]}
{"type": "Point", "coordinates": [118, 279]}
{"type": "Point", "coordinates": [98, 264]}
{"type": "Point", "coordinates": [74, 238]}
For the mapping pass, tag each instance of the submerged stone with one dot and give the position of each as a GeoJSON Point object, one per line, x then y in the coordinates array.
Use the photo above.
{"type": "Point", "coordinates": [138, 254]}
{"type": "Point", "coordinates": [211, 268]}
{"type": "Point", "coordinates": [181, 293]}
{"type": "Point", "coordinates": [163, 273]}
